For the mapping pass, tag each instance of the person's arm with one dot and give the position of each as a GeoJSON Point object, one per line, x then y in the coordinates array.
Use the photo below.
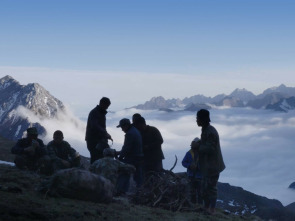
{"type": "Point", "coordinates": [51, 151]}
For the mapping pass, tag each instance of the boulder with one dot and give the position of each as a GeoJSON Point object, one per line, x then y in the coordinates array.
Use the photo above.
{"type": "Point", "coordinates": [82, 185]}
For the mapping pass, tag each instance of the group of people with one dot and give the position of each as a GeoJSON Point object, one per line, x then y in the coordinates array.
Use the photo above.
{"type": "Point", "coordinates": [140, 154]}
{"type": "Point", "coordinates": [142, 146]}
{"type": "Point", "coordinates": [32, 154]}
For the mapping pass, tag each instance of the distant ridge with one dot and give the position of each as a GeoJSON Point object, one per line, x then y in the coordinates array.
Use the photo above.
{"type": "Point", "coordinates": [279, 98]}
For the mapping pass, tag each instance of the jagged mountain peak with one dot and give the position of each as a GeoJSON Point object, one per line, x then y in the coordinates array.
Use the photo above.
{"type": "Point", "coordinates": [7, 81]}
{"type": "Point", "coordinates": [18, 102]}
{"type": "Point", "coordinates": [242, 94]}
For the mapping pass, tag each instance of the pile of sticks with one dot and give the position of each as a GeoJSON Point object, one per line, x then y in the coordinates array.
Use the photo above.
{"type": "Point", "coordinates": [164, 190]}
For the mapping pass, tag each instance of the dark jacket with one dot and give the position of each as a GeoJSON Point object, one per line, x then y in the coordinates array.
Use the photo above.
{"type": "Point", "coordinates": [152, 141]}
{"type": "Point", "coordinates": [63, 151]}
{"type": "Point", "coordinates": [132, 147]}
{"type": "Point", "coordinates": [96, 125]}
{"type": "Point", "coordinates": [23, 143]}
{"type": "Point", "coordinates": [210, 157]}
{"type": "Point", "coordinates": [189, 158]}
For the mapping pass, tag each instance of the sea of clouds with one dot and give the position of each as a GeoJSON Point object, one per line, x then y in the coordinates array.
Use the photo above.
{"type": "Point", "coordinates": [258, 146]}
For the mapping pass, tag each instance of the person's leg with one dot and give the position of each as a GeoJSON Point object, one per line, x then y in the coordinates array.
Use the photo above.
{"type": "Point", "coordinates": [198, 190]}
{"type": "Point", "coordinates": [138, 175]}
{"type": "Point", "coordinates": [212, 192]}
{"type": "Point", "coordinates": [44, 165]}
{"type": "Point", "coordinates": [76, 162]}
{"type": "Point", "coordinates": [20, 162]}
{"type": "Point", "coordinates": [122, 183]}
{"type": "Point", "coordinates": [94, 155]}
{"type": "Point", "coordinates": [204, 191]}
{"type": "Point", "coordinates": [193, 190]}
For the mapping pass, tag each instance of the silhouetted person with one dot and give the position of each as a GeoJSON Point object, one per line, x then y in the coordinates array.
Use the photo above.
{"type": "Point", "coordinates": [210, 159]}
{"type": "Point", "coordinates": [131, 153]}
{"type": "Point", "coordinates": [135, 117]}
{"type": "Point", "coordinates": [191, 162]}
{"type": "Point", "coordinates": [61, 153]}
{"type": "Point", "coordinates": [96, 133]}
{"type": "Point", "coordinates": [30, 152]}
{"type": "Point", "coordinates": [152, 145]}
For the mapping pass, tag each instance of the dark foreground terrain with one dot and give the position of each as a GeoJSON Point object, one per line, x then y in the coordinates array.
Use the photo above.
{"type": "Point", "coordinates": [21, 200]}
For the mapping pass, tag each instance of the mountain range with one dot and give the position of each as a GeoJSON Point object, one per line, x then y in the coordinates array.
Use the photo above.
{"type": "Point", "coordinates": [281, 98]}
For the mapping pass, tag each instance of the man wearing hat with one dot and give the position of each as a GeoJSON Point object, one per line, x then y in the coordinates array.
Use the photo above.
{"type": "Point", "coordinates": [30, 151]}
{"type": "Point", "coordinates": [131, 152]}
{"type": "Point", "coordinates": [210, 159]}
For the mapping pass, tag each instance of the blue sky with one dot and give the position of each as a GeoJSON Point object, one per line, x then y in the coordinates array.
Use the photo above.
{"type": "Point", "coordinates": [167, 36]}
{"type": "Point", "coordinates": [231, 43]}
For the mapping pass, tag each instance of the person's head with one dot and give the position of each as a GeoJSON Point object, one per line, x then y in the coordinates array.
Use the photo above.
{"type": "Point", "coordinates": [203, 117]}
{"type": "Point", "coordinates": [194, 142]}
{"type": "Point", "coordinates": [58, 136]}
{"type": "Point", "coordinates": [124, 124]}
{"type": "Point", "coordinates": [104, 103]}
{"type": "Point", "coordinates": [32, 133]}
{"type": "Point", "coordinates": [135, 116]}
{"type": "Point", "coordinates": [140, 123]}
{"type": "Point", "coordinates": [108, 152]}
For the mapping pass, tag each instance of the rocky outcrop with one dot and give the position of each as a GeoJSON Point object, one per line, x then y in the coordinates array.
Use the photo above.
{"type": "Point", "coordinates": [283, 105]}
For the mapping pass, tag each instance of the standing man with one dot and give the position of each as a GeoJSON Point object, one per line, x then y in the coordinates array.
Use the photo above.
{"type": "Point", "coordinates": [210, 159]}
{"type": "Point", "coordinates": [152, 146]}
{"type": "Point", "coordinates": [96, 133]}
{"type": "Point", "coordinates": [131, 153]}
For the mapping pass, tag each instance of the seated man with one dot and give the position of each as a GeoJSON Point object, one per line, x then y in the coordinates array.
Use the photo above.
{"type": "Point", "coordinates": [61, 153]}
{"type": "Point", "coordinates": [111, 168]}
{"type": "Point", "coordinates": [30, 152]}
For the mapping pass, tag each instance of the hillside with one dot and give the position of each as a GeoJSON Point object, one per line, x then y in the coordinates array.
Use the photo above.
{"type": "Point", "coordinates": [22, 201]}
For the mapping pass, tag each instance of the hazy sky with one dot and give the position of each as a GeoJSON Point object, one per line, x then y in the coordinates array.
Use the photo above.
{"type": "Point", "coordinates": [134, 50]}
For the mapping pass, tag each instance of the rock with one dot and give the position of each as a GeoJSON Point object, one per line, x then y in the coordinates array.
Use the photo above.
{"type": "Point", "coordinates": [82, 185]}
{"type": "Point", "coordinates": [292, 186]}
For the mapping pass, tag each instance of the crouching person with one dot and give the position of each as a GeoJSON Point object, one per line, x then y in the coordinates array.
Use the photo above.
{"type": "Point", "coordinates": [111, 168]}
{"type": "Point", "coordinates": [61, 153]}
{"type": "Point", "coordinates": [31, 152]}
